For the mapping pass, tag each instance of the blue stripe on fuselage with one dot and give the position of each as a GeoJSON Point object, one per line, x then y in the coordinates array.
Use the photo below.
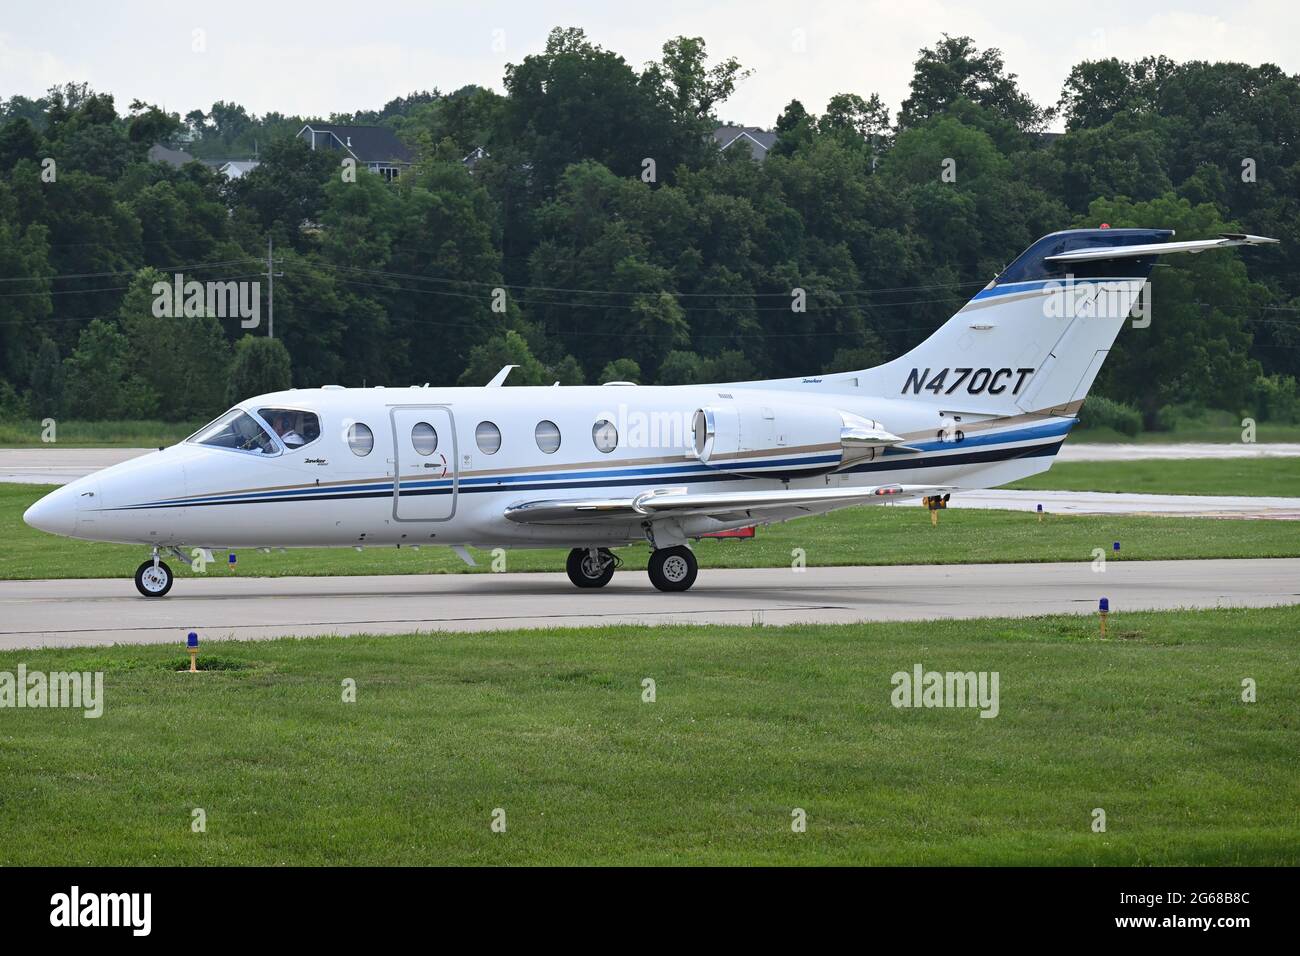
{"type": "Point", "coordinates": [954, 453]}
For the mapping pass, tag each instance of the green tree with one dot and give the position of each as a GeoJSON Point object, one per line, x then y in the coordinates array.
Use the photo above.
{"type": "Point", "coordinates": [104, 387]}
{"type": "Point", "coordinates": [1196, 349]}
{"type": "Point", "coordinates": [955, 69]}
{"type": "Point", "coordinates": [18, 140]}
{"type": "Point", "coordinates": [184, 360]}
{"type": "Point", "coordinates": [864, 120]}
{"type": "Point", "coordinates": [287, 189]}
{"type": "Point", "coordinates": [577, 101]}
{"type": "Point", "coordinates": [621, 370]}
{"type": "Point", "coordinates": [486, 360]}
{"type": "Point", "coordinates": [680, 368]}
{"type": "Point", "coordinates": [260, 365]}
{"type": "Point", "coordinates": [46, 396]}
{"type": "Point", "coordinates": [568, 371]}
{"type": "Point", "coordinates": [27, 303]}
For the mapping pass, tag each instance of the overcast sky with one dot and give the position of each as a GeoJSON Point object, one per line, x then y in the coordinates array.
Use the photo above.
{"type": "Point", "coordinates": [321, 57]}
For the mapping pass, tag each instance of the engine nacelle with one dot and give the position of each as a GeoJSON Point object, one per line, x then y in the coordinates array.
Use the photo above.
{"type": "Point", "coordinates": [737, 437]}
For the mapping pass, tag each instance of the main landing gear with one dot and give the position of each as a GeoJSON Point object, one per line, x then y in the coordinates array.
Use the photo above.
{"type": "Point", "coordinates": [591, 567]}
{"type": "Point", "coordinates": [673, 569]}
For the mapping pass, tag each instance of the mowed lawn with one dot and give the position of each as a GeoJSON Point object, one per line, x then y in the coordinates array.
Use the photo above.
{"type": "Point", "coordinates": [747, 726]}
{"type": "Point", "coordinates": [31, 433]}
{"type": "Point", "coordinates": [896, 534]}
{"type": "Point", "coordinates": [1277, 477]}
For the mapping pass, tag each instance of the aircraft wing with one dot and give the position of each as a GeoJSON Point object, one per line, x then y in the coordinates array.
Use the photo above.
{"type": "Point", "coordinates": [1100, 253]}
{"type": "Point", "coordinates": [726, 505]}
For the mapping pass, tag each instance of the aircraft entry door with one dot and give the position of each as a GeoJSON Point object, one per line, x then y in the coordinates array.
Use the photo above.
{"type": "Point", "coordinates": [425, 481]}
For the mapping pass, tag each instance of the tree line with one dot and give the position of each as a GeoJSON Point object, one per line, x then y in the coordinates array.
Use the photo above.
{"type": "Point", "coordinates": [603, 235]}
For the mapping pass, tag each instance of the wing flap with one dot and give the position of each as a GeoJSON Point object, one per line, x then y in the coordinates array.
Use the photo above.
{"type": "Point", "coordinates": [679, 502]}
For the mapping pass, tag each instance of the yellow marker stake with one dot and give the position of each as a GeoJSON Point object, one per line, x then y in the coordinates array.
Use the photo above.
{"type": "Point", "coordinates": [194, 658]}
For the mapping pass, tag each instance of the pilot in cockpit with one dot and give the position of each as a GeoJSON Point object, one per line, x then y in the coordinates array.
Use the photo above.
{"type": "Point", "coordinates": [284, 428]}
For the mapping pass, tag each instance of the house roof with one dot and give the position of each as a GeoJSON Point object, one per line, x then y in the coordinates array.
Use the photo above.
{"type": "Point", "coordinates": [158, 153]}
{"type": "Point", "coordinates": [237, 167]}
{"type": "Point", "coordinates": [369, 144]}
{"type": "Point", "coordinates": [758, 140]}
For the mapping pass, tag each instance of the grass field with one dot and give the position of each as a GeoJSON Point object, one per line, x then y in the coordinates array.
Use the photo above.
{"type": "Point", "coordinates": [747, 725]}
{"type": "Point", "coordinates": [1224, 434]}
{"type": "Point", "coordinates": [872, 535]}
{"type": "Point", "coordinates": [78, 434]}
{"type": "Point", "coordinates": [1188, 476]}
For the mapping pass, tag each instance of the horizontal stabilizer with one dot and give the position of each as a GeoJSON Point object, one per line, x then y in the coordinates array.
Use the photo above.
{"type": "Point", "coordinates": [678, 502]}
{"type": "Point", "coordinates": [1102, 253]}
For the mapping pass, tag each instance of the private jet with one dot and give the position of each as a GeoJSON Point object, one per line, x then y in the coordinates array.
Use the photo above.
{"type": "Point", "coordinates": [987, 399]}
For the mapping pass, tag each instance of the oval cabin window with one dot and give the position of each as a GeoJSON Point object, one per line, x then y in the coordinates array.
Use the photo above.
{"type": "Point", "coordinates": [605, 436]}
{"type": "Point", "coordinates": [360, 439]}
{"type": "Point", "coordinates": [488, 438]}
{"type": "Point", "coordinates": [548, 437]}
{"type": "Point", "coordinates": [424, 438]}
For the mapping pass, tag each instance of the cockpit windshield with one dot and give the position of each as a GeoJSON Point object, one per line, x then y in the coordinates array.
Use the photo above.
{"type": "Point", "coordinates": [294, 426]}
{"type": "Point", "coordinates": [238, 430]}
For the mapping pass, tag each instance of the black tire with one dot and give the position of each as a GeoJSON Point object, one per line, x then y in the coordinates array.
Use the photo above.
{"type": "Point", "coordinates": [582, 572]}
{"type": "Point", "coordinates": [153, 586]}
{"type": "Point", "coordinates": [673, 569]}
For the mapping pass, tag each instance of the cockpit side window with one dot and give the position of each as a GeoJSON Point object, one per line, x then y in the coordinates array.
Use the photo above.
{"type": "Point", "coordinates": [295, 427]}
{"type": "Point", "coordinates": [237, 430]}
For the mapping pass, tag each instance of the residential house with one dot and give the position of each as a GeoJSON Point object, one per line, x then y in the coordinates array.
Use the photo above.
{"type": "Point", "coordinates": [236, 168]}
{"type": "Point", "coordinates": [758, 141]}
{"type": "Point", "coordinates": [158, 153]}
{"type": "Point", "coordinates": [376, 148]}
{"type": "Point", "coordinates": [474, 156]}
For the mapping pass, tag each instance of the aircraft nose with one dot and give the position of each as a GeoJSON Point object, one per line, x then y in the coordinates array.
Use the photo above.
{"type": "Point", "coordinates": [55, 513]}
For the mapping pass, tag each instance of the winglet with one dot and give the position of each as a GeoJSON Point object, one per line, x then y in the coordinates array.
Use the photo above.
{"type": "Point", "coordinates": [499, 378]}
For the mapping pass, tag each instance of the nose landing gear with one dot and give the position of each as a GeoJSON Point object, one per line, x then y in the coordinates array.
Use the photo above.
{"type": "Point", "coordinates": [153, 578]}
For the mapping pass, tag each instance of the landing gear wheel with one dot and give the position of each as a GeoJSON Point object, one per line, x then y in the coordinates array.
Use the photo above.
{"type": "Point", "coordinates": [153, 581]}
{"type": "Point", "coordinates": [673, 569]}
{"type": "Point", "coordinates": [586, 573]}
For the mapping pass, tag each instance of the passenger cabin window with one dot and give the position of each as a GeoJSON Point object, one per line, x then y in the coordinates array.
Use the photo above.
{"type": "Point", "coordinates": [424, 438]}
{"type": "Point", "coordinates": [605, 436]}
{"type": "Point", "coordinates": [548, 437]}
{"type": "Point", "coordinates": [360, 439]}
{"type": "Point", "coordinates": [236, 430]}
{"type": "Point", "coordinates": [488, 438]}
{"type": "Point", "coordinates": [294, 426]}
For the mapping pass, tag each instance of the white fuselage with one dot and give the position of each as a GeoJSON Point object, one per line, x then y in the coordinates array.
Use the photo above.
{"type": "Point", "coordinates": [323, 494]}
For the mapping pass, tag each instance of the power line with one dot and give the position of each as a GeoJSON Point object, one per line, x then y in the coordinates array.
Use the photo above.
{"type": "Point", "coordinates": [615, 306]}
{"type": "Point", "coordinates": [698, 295]}
{"type": "Point", "coordinates": [114, 288]}
{"type": "Point", "coordinates": [124, 272]}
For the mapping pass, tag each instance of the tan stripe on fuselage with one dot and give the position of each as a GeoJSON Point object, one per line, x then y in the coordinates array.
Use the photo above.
{"type": "Point", "coordinates": [1070, 409]}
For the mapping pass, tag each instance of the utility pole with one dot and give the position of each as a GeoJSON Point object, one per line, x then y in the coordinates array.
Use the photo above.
{"type": "Point", "coordinates": [270, 287]}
